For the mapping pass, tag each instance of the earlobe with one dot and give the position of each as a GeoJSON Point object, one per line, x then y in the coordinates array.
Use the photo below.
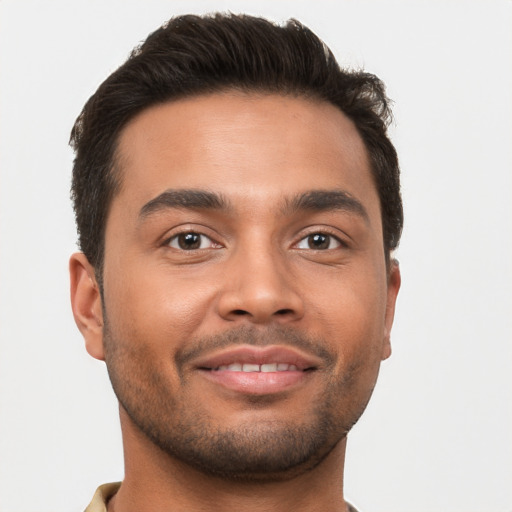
{"type": "Point", "coordinates": [86, 304]}
{"type": "Point", "coordinates": [394, 281]}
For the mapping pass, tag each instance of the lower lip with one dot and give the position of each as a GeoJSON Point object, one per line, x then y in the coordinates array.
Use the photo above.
{"type": "Point", "coordinates": [256, 383]}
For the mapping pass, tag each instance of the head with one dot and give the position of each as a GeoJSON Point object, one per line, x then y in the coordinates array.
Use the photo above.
{"type": "Point", "coordinates": [190, 56]}
{"type": "Point", "coordinates": [237, 201]}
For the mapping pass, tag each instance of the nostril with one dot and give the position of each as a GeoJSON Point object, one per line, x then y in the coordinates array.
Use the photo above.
{"type": "Point", "coordinates": [240, 312]}
{"type": "Point", "coordinates": [284, 312]}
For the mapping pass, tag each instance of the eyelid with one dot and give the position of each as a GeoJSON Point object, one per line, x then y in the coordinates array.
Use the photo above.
{"type": "Point", "coordinates": [186, 229]}
{"type": "Point", "coordinates": [175, 238]}
{"type": "Point", "coordinates": [334, 234]}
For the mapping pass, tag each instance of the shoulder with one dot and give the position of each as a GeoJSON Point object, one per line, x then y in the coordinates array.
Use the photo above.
{"type": "Point", "coordinates": [101, 496]}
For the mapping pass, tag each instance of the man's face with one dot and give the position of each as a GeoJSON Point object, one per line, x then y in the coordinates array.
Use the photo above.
{"type": "Point", "coordinates": [246, 298]}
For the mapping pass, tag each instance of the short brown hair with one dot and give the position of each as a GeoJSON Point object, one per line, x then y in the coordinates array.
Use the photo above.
{"type": "Point", "coordinates": [192, 55]}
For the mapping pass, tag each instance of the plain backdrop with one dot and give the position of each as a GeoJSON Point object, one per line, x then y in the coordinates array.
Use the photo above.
{"type": "Point", "coordinates": [437, 435]}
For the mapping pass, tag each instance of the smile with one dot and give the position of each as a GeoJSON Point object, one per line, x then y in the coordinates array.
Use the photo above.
{"type": "Point", "coordinates": [250, 370]}
{"type": "Point", "coordinates": [249, 367]}
{"type": "Point", "coordinates": [249, 359]}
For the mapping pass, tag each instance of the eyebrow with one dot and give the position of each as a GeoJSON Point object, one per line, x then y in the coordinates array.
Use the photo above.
{"type": "Point", "coordinates": [313, 200]}
{"type": "Point", "coordinates": [184, 198]}
{"type": "Point", "coordinates": [326, 200]}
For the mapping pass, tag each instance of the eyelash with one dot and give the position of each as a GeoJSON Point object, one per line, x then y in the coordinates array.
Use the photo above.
{"type": "Point", "coordinates": [202, 237]}
{"type": "Point", "coordinates": [329, 237]}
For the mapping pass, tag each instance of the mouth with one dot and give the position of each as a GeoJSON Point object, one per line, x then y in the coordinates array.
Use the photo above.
{"type": "Point", "coordinates": [264, 368]}
{"type": "Point", "coordinates": [256, 370]}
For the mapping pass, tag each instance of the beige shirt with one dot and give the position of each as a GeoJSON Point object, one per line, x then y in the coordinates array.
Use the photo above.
{"type": "Point", "coordinates": [101, 496]}
{"type": "Point", "coordinates": [105, 492]}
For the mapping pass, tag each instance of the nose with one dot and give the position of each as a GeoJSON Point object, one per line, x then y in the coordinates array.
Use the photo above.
{"type": "Point", "coordinates": [259, 288]}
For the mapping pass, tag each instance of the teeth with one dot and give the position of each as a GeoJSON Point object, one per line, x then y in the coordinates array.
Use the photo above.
{"type": "Point", "coordinates": [249, 367]}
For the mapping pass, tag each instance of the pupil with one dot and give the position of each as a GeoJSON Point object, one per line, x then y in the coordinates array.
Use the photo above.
{"type": "Point", "coordinates": [189, 241]}
{"type": "Point", "coordinates": [319, 241]}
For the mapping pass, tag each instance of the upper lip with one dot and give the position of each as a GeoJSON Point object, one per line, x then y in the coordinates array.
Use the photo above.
{"type": "Point", "coordinates": [259, 355]}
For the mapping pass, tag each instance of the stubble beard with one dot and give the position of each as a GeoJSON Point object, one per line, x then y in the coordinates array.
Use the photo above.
{"type": "Point", "coordinates": [253, 451]}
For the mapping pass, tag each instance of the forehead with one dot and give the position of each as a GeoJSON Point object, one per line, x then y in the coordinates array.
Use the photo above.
{"type": "Point", "coordinates": [250, 146]}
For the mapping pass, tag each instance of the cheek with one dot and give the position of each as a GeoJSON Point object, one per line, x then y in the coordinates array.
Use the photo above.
{"type": "Point", "coordinates": [350, 314]}
{"type": "Point", "coordinates": [155, 307]}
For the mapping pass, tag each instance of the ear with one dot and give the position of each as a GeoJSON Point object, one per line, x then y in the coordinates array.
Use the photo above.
{"type": "Point", "coordinates": [394, 281]}
{"type": "Point", "coordinates": [86, 304]}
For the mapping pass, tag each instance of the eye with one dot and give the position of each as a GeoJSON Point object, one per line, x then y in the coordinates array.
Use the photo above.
{"type": "Point", "coordinates": [319, 242]}
{"type": "Point", "coordinates": [191, 241]}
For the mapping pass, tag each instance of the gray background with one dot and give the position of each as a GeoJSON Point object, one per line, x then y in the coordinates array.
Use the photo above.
{"type": "Point", "coordinates": [437, 434]}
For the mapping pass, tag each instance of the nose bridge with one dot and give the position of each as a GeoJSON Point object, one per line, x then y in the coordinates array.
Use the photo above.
{"type": "Point", "coordinates": [259, 285]}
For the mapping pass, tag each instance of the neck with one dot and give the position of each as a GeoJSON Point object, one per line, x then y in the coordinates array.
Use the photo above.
{"type": "Point", "coordinates": [157, 482]}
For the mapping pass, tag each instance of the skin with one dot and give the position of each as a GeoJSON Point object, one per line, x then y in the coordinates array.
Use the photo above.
{"type": "Point", "coordinates": [258, 280]}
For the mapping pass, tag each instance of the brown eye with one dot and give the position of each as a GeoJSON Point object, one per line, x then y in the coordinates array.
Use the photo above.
{"type": "Point", "coordinates": [319, 242]}
{"type": "Point", "coordinates": [190, 241]}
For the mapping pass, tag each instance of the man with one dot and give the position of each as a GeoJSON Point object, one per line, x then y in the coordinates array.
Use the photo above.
{"type": "Point", "coordinates": [237, 202]}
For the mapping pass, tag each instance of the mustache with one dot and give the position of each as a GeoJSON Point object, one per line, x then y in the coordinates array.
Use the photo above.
{"type": "Point", "coordinates": [258, 337]}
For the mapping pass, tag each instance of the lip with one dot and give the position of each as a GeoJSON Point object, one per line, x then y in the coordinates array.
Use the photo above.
{"type": "Point", "coordinates": [259, 355]}
{"type": "Point", "coordinates": [258, 383]}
